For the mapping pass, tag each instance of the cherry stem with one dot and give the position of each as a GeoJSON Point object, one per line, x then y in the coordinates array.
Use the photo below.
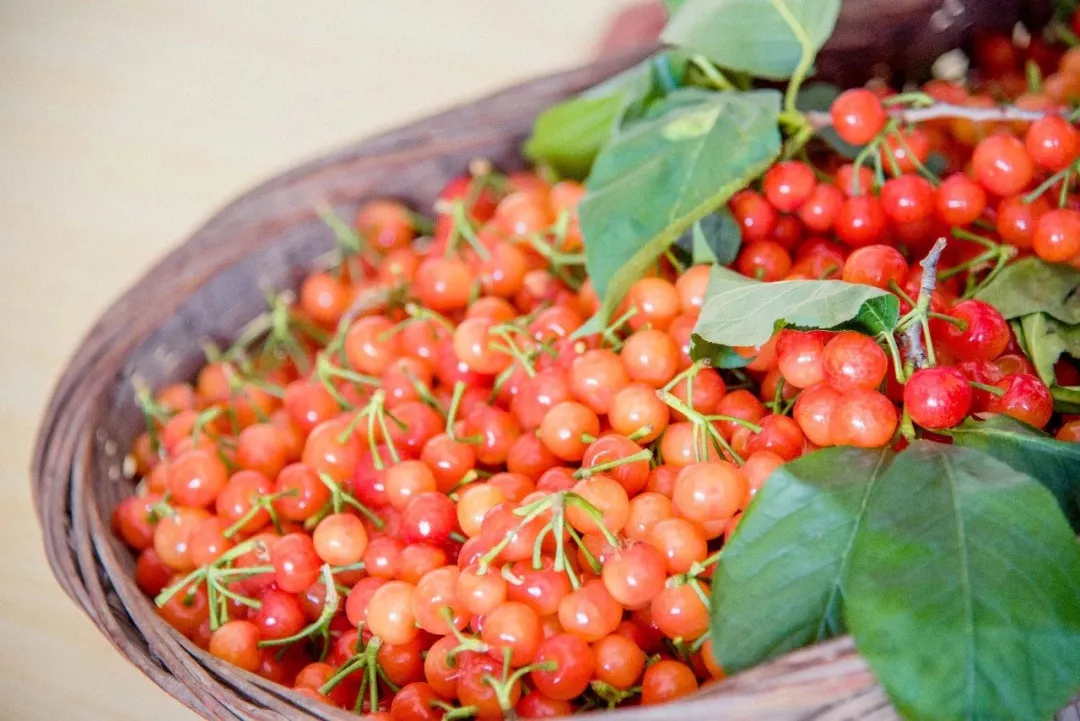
{"type": "Point", "coordinates": [216, 574]}
{"type": "Point", "coordinates": [701, 424]}
{"type": "Point", "coordinates": [610, 334]}
{"type": "Point", "coordinates": [454, 712]}
{"type": "Point", "coordinates": [992, 390]}
{"type": "Point", "coordinates": [643, 455]}
{"type": "Point", "coordinates": [504, 687]}
{"type": "Point", "coordinates": [613, 696]}
{"type": "Point", "coordinates": [1062, 176]}
{"type": "Point", "coordinates": [754, 427]}
{"type": "Point", "coordinates": [455, 404]}
{"type": "Point", "coordinates": [573, 499]}
{"type": "Point", "coordinates": [339, 498]}
{"type": "Point", "coordinates": [513, 350]}
{"type": "Point", "coordinates": [530, 512]}
{"type": "Point", "coordinates": [642, 432]}
{"type": "Point", "coordinates": [462, 227]}
{"type": "Point", "coordinates": [349, 241]}
{"type": "Point", "coordinates": [260, 503]}
{"type": "Point", "coordinates": [423, 391]}
{"type": "Point", "coordinates": [321, 625]}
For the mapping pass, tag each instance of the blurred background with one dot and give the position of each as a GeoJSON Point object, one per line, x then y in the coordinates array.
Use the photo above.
{"type": "Point", "coordinates": [123, 126]}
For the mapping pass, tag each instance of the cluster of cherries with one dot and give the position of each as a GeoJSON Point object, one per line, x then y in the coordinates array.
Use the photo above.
{"type": "Point", "coordinates": [416, 492]}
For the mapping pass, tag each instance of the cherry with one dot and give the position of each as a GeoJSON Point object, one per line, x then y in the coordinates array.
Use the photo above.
{"type": "Point", "coordinates": [1017, 219]}
{"type": "Point", "coordinates": [937, 397]}
{"type": "Point", "coordinates": [590, 612]}
{"type": "Point", "coordinates": [667, 680]}
{"type": "Point", "coordinates": [854, 361]}
{"type": "Point", "coordinates": [568, 429]}
{"type": "Point", "coordinates": [572, 665]}
{"type": "Point", "coordinates": [876, 265]}
{"type": "Point", "coordinates": [390, 613]}
{"type": "Point", "coordinates": [863, 418]}
{"type": "Point", "coordinates": [754, 214]}
{"type": "Point", "coordinates": [821, 209]}
{"type": "Point", "coordinates": [1052, 142]}
{"type": "Point", "coordinates": [709, 493]}
{"type": "Point", "coordinates": [513, 627]}
{"type": "Point", "coordinates": [296, 562]}
{"type": "Point", "coordinates": [429, 517]}
{"type": "Point", "coordinates": [789, 184]}
{"type": "Point", "coordinates": [1025, 398]}
{"type": "Point", "coordinates": [857, 116]}
{"type": "Point", "coordinates": [340, 539]}
{"type": "Point", "coordinates": [813, 412]}
{"type": "Point", "coordinates": [861, 221]}
{"type": "Point", "coordinates": [635, 575]}
{"type": "Point", "coordinates": [236, 642]}
{"type": "Point", "coordinates": [960, 200]}
{"type": "Point", "coordinates": [908, 199]}
{"type": "Point", "coordinates": [764, 260]}
{"type": "Point", "coordinates": [196, 477]}
{"type": "Point", "coordinates": [596, 377]}
{"type": "Point", "coordinates": [1002, 165]}
{"type": "Point", "coordinates": [1057, 235]}
{"type": "Point", "coordinates": [984, 334]}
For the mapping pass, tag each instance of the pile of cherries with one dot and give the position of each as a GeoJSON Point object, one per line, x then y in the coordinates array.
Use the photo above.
{"type": "Point", "coordinates": [415, 492]}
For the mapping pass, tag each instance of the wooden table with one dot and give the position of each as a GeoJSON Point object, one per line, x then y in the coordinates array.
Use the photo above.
{"type": "Point", "coordinates": [122, 127]}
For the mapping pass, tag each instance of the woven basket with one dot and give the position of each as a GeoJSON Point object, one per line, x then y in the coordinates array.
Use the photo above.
{"type": "Point", "coordinates": [211, 287]}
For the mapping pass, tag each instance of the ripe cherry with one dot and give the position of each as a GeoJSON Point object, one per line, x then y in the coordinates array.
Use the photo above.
{"type": "Point", "coordinates": [937, 397]}
{"type": "Point", "coordinates": [857, 116]}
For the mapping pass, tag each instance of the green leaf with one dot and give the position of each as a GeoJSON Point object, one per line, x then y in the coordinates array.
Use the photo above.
{"type": "Point", "coordinates": [1046, 340]}
{"type": "Point", "coordinates": [739, 311]}
{"type": "Point", "coordinates": [716, 238]}
{"type": "Point", "coordinates": [879, 314]}
{"type": "Point", "coordinates": [778, 585]}
{"type": "Point", "coordinates": [963, 589]}
{"type": "Point", "coordinates": [1031, 286]}
{"type": "Point", "coordinates": [1028, 450]}
{"type": "Point", "coordinates": [752, 35]}
{"type": "Point", "coordinates": [674, 5]}
{"type": "Point", "coordinates": [652, 181]}
{"type": "Point", "coordinates": [568, 136]}
{"type": "Point", "coordinates": [1066, 398]}
{"type": "Point", "coordinates": [719, 356]}
{"type": "Point", "coordinates": [820, 96]}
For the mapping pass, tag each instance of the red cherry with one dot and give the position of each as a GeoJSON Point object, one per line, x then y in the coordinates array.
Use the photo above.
{"type": "Point", "coordinates": [937, 397]}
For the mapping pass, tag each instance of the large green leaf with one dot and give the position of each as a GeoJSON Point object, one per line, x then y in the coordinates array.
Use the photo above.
{"type": "Point", "coordinates": [963, 589]}
{"type": "Point", "coordinates": [754, 36]}
{"type": "Point", "coordinates": [1031, 286]}
{"type": "Point", "coordinates": [568, 136]}
{"type": "Point", "coordinates": [1052, 463]}
{"type": "Point", "coordinates": [652, 181]}
{"type": "Point", "coordinates": [740, 311]}
{"type": "Point", "coordinates": [777, 585]}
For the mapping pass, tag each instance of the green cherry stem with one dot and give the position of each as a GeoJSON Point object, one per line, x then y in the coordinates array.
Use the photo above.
{"type": "Point", "coordinates": [321, 625]}
{"type": "Point", "coordinates": [701, 424]}
{"type": "Point", "coordinates": [643, 455]}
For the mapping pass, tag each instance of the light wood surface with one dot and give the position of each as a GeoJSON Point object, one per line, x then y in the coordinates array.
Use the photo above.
{"type": "Point", "coordinates": [123, 125]}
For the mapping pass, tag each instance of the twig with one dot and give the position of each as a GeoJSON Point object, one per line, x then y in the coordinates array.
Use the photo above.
{"type": "Point", "coordinates": [912, 340]}
{"type": "Point", "coordinates": [938, 111]}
